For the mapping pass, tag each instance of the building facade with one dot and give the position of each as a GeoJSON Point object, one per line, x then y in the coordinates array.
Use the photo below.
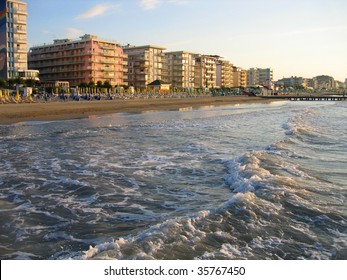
{"type": "Point", "coordinates": [145, 65]}
{"type": "Point", "coordinates": [324, 82]}
{"type": "Point", "coordinates": [180, 67]}
{"type": "Point", "coordinates": [13, 38]}
{"type": "Point", "coordinates": [224, 73]}
{"type": "Point", "coordinates": [259, 77]}
{"type": "Point", "coordinates": [87, 59]}
{"type": "Point", "coordinates": [205, 71]}
{"type": "Point", "coordinates": [239, 77]}
{"type": "Point", "coordinates": [293, 82]}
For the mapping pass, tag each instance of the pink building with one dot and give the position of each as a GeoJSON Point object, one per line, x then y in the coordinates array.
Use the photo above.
{"type": "Point", "coordinates": [86, 60]}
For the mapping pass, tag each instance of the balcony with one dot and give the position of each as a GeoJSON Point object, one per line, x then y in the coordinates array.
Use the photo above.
{"type": "Point", "coordinates": [19, 40]}
{"type": "Point", "coordinates": [108, 69]}
{"type": "Point", "coordinates": [17, 11]}
{"type": "Point", "coordinates": [108, 61]}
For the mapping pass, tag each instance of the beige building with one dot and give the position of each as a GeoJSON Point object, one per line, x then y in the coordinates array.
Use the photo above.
{"type": "Point", "coordinates": [239, 77]}
{"type": "Point", "coordinates": [180, 69]}
{"type": "Point", "coordinates": [88, 59]}
{"type": "Point", "coordinates": [205, 71]}
{"type": "Point", "coordinates": [145, 65]}
{"type": "Point", "coordinates": [13, 38]}
{"type": "Point", "coordinates": [324, 82]}
{"type": "Point", "coordinates": [292, 82]}
{"type": "Point", "coordinates": [224, 73]}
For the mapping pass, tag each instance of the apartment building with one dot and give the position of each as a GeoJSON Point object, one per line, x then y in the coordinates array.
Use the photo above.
{"type": "Point", "coordinates": [88, 59]}
{"type": "Point", "coordinates": [145, 65]}
{"type": "Point", "coordinates": [292, 82]}
{"type": "Point", "coordinates": [205, 71]}
{"type": "Point", "coordinates": [324, 82]}
{"type": "Point", "coordinates": [224, 73]}
{"type": "Point", "coordinates": [258, 76]}
{"type": "Point", "coordinates": [13, 38]}
{"type": "Point", "coordinates": [180, 69]}
{"type": "Point", "coordinates": [239, 77]}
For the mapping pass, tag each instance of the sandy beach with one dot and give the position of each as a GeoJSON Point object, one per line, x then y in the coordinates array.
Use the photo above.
{"type": "Point", "coordinates": [40, 111]}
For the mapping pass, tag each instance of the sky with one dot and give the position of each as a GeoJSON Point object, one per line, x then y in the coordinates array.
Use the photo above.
{"type": "Point", "coordinates": [303, 38]}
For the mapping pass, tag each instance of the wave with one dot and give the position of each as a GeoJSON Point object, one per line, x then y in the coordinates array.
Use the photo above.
{"type": "Point", "coordinates": [270, 214]}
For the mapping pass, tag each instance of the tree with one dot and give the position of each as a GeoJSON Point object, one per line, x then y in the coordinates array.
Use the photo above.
{"type": "Point", "coordinates": [107, 85]}
{"type": "Point", "coordinates": [30, 82]}
{"type": "Point", "coordinates": [11, 82]}
{"type": "Point", "coordinates": [18, 80]}
{"type": "Point", "coordinates": [3, 83]}
{"type": "Point", "coordinates": [83, 85]}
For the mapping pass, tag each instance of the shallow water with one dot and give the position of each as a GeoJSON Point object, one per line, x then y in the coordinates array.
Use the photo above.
{"type": "Point", "coordinates": [252, 181]}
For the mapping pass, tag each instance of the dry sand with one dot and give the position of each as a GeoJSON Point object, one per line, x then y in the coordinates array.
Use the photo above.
{"type": "Point", "coordinates": [14, 113]}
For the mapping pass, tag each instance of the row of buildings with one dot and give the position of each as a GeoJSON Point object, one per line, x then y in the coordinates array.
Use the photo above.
{"type": "Point", "coordinates": [90, 59]}
{"type": "Point", "coordinates": [322, 82]}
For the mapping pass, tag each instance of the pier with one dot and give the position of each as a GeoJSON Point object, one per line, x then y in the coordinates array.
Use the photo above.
{"type": "Point", "coordinates": [309, 97]}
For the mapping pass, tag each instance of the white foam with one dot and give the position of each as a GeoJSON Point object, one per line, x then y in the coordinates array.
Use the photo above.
{"type": "Point", "coordinates": [149, 242]}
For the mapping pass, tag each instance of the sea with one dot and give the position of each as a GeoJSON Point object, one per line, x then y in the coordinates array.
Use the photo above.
{"type": "Point", "coordinates": [245, 181]}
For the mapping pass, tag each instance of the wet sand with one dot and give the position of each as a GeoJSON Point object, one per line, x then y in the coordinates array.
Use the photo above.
{"type": "Point", "coordinates": [40, 111]}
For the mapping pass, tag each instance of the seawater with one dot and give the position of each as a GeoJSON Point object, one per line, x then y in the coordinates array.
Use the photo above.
{"type": "Point", "coordinates": [248, 181]}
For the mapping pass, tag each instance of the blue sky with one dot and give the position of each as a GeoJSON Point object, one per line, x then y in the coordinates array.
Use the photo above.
{"type": "Point", "coordinates": [294, 37]}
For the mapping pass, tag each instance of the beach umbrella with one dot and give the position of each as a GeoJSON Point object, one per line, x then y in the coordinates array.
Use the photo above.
{"type": "Point", "coordinates": [17, 97]}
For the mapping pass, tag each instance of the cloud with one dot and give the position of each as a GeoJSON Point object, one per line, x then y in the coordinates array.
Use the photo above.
{"type": "Point", "coordinates": [153, 4]}
{"type": "Point", "coordinates": [73, 33]}
{"type": "Point", "coordinates": [97, 10]}
{"type": "Point", "coordinates": [149, 4]}
{"type": "Point", "coordinates": [178, 2]}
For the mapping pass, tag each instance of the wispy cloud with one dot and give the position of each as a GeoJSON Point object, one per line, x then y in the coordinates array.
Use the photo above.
{"type": "Point", "coordinates": [178, 2]}
{"type": "Point", "coordinates": [149, 4]}
{"type": "Point", "coordinates": [98, 10]}
{"type": "Point", "coordinates": [153, 4]}
{"type": "Point", "coordinates": [73, 33]}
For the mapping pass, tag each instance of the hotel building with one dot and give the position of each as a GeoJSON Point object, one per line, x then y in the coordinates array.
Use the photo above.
{"type": "Point", "coordinates": [205, 71]}
{"type": "Point", "coordinates": [239, 77]}
{"type": "Point", "coordinates": [145, 65]}
{"type": "Point", "coordinates": [88, 59]}
{"type": "Point", "coordinates": [224, 73]}
{"type": "Point", "coordinates": [13, 40]}
{"type": "Point", "coordinates": [180, 68]}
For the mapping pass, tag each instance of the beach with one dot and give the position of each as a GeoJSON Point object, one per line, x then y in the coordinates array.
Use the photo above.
{"type": "Point", "coordinates": [60, 110]}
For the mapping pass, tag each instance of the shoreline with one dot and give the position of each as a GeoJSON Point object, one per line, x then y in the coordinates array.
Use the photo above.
{"type": "Point", "coordinates": [60, 110]}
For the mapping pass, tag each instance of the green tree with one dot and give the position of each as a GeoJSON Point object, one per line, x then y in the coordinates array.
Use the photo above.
{"type": "Point", "coordinates": [30, 83]}
{"type": "Point", "coordinates": [3, 83]}
{"type": "Point", "coordinates": [11, 82]}
{"type": "Point", "coordinates": [107, 85]}
{"type": "Point", "coordinates": [83, 85]}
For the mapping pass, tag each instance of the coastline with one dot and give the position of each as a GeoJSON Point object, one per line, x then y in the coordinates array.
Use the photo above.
{"type": "Point", "coordinates": [59, 110]}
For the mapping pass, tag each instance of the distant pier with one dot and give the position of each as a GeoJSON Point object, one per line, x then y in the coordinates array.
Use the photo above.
{"type": "Point", "coordinates": [308, 97]}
